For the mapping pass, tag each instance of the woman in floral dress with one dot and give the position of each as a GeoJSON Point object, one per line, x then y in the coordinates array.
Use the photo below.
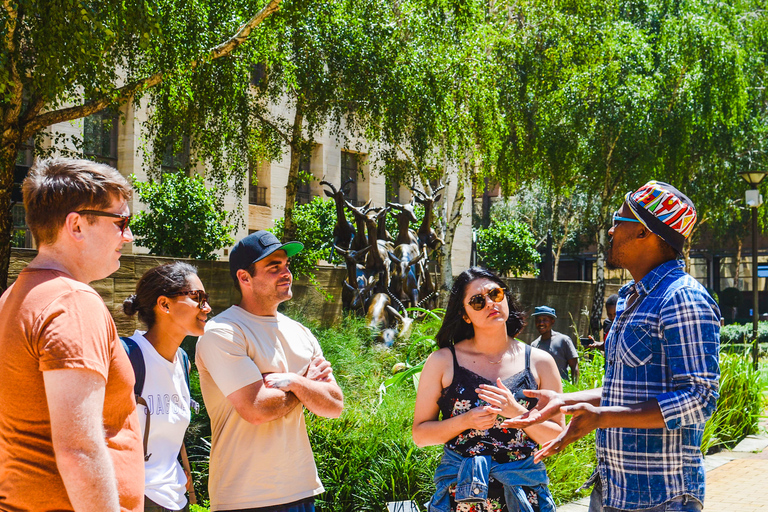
{"type": "Point", "coordinates": [466, 390]}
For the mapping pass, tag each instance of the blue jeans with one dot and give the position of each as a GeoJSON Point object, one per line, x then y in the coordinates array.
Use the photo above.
{"type": "Point", "coordinates": [471, 475]}
{"type": "Point", "coordinates": [684, 503]}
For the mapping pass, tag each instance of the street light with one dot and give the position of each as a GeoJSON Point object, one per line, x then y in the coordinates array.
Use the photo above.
{"type": "Point", "coordinates": [754, 199]}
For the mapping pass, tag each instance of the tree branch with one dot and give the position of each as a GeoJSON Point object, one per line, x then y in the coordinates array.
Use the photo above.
{"type": "Point", "coordinates": [124, 93]}
{"type": "Point", "coordinates": [280, 132]}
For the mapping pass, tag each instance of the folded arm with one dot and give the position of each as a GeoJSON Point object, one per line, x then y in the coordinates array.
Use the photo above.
{"type": "Point", "coordinates": [258, 404]}
{"type": "Point", "coordinates": [321, 398]}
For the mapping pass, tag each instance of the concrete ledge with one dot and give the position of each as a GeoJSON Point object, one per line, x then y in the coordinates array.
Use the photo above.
{"type": "Point", "coordinates": [752, 444]}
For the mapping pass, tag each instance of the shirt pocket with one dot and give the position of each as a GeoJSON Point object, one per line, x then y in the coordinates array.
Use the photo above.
{"type": "Point", "coordinates": [635, 347]}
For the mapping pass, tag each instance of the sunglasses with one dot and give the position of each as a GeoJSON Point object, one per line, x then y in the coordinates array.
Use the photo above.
{"type": "Point", "coordinates": [619, 218]}
{"type": "Point", "coordinates": [198, 296]}
{"type": "Point", "coordinates": [477, 302]}
{"type": "Point", "coordinates": [124, 219]}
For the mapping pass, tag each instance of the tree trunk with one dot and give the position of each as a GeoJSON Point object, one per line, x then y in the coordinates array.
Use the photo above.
{"type": "Point", "coordinates": [557, 258]}
{"type": "Point", "coordinates": [737, 271]}
{"type": "Point", "coordinates": [486, 211]}
{"type": "Point", "coordinates": [602, 250]}
{"type": "Point", "coordinates": [449, 235]}
{"type": "Point", "coordinates": [297, 147]}
{"type": "Point", "coordinates": [9, 150]}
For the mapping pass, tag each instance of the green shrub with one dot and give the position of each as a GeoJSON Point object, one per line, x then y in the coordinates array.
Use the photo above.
{"type": "Point", "coordinates": [508, 247]}
{"type": "Point", "coordinates": [183, 218]}
{"type": "Point", "coordinates": [742, 333]}
{"type": "Point", "coordinates": [314, 228]}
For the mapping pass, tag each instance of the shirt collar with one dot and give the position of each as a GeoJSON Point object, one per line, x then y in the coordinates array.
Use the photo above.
{"type": "Point", "coordinates": [651, 279]}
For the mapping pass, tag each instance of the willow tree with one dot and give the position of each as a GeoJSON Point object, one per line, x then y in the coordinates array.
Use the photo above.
{"type": "Point", "coordinates": [608, 95]}
{"type": "Point", "coordinates": [67, 59]}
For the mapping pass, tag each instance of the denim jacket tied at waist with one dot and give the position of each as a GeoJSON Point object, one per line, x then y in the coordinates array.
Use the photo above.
{"type": "Point", "coordinates": [471, 474]}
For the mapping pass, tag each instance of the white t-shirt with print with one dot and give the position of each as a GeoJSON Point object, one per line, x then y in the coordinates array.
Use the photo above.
{"type": "Point", "coordinates": [167, 396]}
{"type": "Point", "coordinates": [263, 465]}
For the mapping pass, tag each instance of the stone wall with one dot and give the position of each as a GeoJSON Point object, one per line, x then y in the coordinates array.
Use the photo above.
{"type": "Point", "coordinates": [565, 296]}
{"type": "Point", "coordinates": [569, 298]}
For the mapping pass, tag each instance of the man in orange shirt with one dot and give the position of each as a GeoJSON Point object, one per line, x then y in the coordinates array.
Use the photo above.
{"type": "Point", "coordinates": [69, 432]}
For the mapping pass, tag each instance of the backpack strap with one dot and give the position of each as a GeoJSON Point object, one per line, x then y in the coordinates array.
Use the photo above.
{"type": "Point", "coordinates": [181, 354]}
{"type": "Point", "coordinates": [140, 373]}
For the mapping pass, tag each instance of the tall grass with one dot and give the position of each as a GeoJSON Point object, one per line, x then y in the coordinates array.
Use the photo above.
{"type": "Point", "coordinates": [367, 458]}
{"type": "Point", "coordinates": [740, 405]}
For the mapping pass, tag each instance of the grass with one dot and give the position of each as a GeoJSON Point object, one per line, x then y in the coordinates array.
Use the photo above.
{"type": "Point", "coordinates": [741, 403]}
{"type": "Point", "coordinates": [367, 458]}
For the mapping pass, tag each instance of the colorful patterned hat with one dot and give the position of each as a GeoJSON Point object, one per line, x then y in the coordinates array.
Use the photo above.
{"type": "Point", "coordinates": [665, 211]}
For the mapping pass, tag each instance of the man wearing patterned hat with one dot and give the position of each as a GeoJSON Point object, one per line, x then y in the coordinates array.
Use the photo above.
{"type": "Point", "coordinates": [662, 369]}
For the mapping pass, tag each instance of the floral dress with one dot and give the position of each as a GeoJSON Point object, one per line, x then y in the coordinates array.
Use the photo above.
{"type": "Point", "coordinates": [502, 444]}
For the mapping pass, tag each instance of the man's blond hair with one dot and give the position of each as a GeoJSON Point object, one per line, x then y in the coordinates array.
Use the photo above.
{"type": "Point", "coordinates": [55, 187]}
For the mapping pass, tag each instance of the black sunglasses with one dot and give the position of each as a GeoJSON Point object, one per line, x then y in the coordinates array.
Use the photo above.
{"type": "Point", "coordinates": [198, 296]}
{"type": "Point", "coordinates": [477, 302]}
{"type": "Point", "coordinates": [124, 219]}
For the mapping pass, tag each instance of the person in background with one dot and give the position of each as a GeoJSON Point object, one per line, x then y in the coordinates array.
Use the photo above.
{"type": "Point", "coordinates": [69, 432]}
{"type": "Point", "coordinates": [171, 301]}
{"type": "Point", "coordinates": [610, 311]}
{"type": "Point", "coordinates": [259, 370]}
{"type": "Point", "coordinates": [474, 381]}
{"type": "Point", "coordinates": [662, 377]}
{"type": "Point", "coordinates": [558, 345]}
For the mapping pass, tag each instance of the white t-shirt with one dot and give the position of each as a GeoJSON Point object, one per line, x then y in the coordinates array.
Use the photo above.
{"type": "Point", "coordinates": [167, 396]}
{"type": "Point", "coordinates": [255, 465]}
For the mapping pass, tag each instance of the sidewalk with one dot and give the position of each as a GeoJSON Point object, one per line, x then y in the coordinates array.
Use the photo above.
{"type": "Point", "coordinates": [737, 480]}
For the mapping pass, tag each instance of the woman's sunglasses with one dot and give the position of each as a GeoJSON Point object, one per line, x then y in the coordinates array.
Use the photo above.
{"type": "Point", "coordinates": [198, 296]}
{"type": "Point", "coordinates": [477, 302]}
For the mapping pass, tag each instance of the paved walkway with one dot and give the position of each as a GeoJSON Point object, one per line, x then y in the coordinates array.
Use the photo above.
{"type": "Point", "coordinates": [737, 480]}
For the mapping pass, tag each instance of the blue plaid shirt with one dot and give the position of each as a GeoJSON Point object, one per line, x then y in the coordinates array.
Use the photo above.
{"type": "Point", "coordinates": [664, 347]}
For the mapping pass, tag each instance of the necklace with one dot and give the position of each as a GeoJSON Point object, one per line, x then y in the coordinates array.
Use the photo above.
{"type": "Point", "coordinates": [500, 359]}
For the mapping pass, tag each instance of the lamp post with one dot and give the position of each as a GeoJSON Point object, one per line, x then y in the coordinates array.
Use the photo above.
{"type": "Point", "coordinates": [753, 200]}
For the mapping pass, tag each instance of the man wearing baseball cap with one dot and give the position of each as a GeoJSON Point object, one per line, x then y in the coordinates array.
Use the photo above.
{"type": "Point", "coordinates": [662, 369]}
{"type": "Point", "coordinates": [258, 371]}
{"type": "Point", "coordinates": [559, 346]}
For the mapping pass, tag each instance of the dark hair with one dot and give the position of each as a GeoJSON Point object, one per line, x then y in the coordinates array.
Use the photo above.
{"type": "Point", "coordinates": [162, 280]}
{"type": "Point", "coordinates": [612, 300]}
{"type": "Point", "coordinates": [55, 187]}
{"type": "Point", "coordinates": [251, 272]}
{"type": "Point", "coordinates": [454, 328]}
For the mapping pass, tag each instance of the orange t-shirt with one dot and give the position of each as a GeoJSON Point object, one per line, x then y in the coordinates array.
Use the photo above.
{"type": "Point", "coordinates": [49, 321]}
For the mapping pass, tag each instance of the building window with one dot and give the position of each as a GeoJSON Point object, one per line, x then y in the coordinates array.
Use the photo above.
{"type": "Point", "coordinates": [20, 236]}
{"type": "Point", "coordinates": [24, 161]}
{"type": "Point", "coordinates": [100, 137]}
{"type": "Point", "coordinates": [303, 193]}
{"type": "Point", "coordinates": [259, 75]}
{"type": "Point", "coordinates": [392, 191]}
{"type": "Point", "coordinates": [257, 195]}
{"type": "Point", "coordinates": [176, 156]}
{"type": "Point", "coordinates": [350, 169]}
